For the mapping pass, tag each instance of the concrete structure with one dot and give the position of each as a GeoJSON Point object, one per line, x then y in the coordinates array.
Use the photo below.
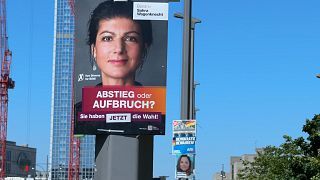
{"type": "Point", "coordinates": [20, 160]}
{"type": "Point", "coordinates": [62, 100]}
{"type": "Point", "coordinates": [236, 165]}
{"type": "Point", "coordinates": [233, 160]}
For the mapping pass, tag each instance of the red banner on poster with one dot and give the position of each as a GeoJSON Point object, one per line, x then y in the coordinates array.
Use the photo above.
{"type": "Point", "coordinates": [123, 99]}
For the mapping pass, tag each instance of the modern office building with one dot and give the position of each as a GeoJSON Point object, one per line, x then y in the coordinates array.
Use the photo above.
{"type": "Point", "coordinates": [61, 107]}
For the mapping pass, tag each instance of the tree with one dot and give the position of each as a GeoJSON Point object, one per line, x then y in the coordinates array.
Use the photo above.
{"type": "Point", "coordinates": [295, 159]}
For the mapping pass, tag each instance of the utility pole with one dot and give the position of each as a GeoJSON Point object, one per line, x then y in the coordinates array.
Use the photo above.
{"type": "Point", "coordinates": [188, 110]}
{"type": "Point", "coordinates": [187, 80]}
{"type": "Point", "coordinates": [191, 83]}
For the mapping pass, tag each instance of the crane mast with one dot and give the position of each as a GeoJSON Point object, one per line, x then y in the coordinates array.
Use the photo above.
{"type": "Point", "coordinates": [5, 84]}
{"type": "Point", "coordinates": [74, 149]}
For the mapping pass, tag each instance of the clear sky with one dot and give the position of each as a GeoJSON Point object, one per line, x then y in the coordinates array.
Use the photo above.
{"type": "Point", "coordinates": [256, 62]}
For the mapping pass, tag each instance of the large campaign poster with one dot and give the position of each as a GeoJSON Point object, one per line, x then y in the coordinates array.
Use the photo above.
{"type": "Point", "coordinates": [184, 136]}
{"type": "Point", "coordinates": [120, 67]}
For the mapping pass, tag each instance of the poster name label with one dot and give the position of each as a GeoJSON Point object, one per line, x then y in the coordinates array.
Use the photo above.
{"type": "Point", "coordinates": [150, 11]}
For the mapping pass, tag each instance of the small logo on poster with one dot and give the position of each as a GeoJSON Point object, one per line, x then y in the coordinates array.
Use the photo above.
{"type": "Point", "coordinates": [152, 128]}
{"type": "Point", "coordinates": [80, 77]}
{"type": "Point", "coordinates": [118, 118]}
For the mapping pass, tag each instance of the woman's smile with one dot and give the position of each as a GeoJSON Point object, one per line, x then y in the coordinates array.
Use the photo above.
{"type": "Point", "coordinates": [118, 62]}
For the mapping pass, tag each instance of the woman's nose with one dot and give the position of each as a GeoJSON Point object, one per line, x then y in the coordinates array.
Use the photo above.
{"type": "Point", "coordinates": [119, 46]}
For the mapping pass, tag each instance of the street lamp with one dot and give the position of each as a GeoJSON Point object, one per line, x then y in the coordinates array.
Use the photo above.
{"type": "Point", "coordinates": [191, 82]}
{"type": "Point", "coordinates": [194, 21]}
{"type": "Point", "coordinates": [222, 173]}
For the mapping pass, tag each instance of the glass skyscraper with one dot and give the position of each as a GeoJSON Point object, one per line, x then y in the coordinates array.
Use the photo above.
{"type": "Point", "coordinates": [62, 100]}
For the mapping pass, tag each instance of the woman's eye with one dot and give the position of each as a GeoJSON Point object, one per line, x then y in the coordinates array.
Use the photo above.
{"type": "Point", "coordinates": [131, 39]}
{"type": "Point", "coordinates": [107, 38]}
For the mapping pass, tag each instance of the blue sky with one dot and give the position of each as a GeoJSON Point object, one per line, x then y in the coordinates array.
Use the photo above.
{"type": "Point", "coordinates": [255, 61]}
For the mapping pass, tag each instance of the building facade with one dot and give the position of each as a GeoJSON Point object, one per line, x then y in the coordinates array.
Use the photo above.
{"type": "Point", "coordinates": [236, 165]}
{"type": "Point", "coordinates": [20, 160]}
{"type": "Point", "coordinates": [61, 105]}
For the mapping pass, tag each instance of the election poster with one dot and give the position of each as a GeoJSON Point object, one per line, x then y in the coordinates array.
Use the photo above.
{"type": "Point", "coordinates": [184, 136]}
{"type": "Point", "coordinates": [120, 66]}
{"type": "Point", "coordinates": [185, 166]}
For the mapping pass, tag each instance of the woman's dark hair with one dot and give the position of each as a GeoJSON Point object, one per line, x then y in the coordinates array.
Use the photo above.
{"type": "Point", "coordinates": [188, 171]}
{"type": "Point", "coordinates": [111, 9]}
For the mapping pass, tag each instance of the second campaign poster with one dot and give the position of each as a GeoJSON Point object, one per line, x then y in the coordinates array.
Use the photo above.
{"type": "Point", "coordinates": [120, 67]}
{"type": "Point", "coordinates": [185, 166]}
{"type": "Point", "coordinates": [184, 136]}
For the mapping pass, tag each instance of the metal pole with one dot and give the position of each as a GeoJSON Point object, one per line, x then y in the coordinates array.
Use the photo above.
{"type": "Point", "coordinates": [194, 21]}
{"type": "Point", "coordinates": [193, 84]}
{"type": "Point", "coordinates": [124, 157]}
{"type": "Point", "coordinates": [192, 104]}
{"type": "Point", "coordinates": [187, 80]}
{"type": "Point", "coordinates": [47, 172]}
{"type": "Point", "coordinates": [188, 110]}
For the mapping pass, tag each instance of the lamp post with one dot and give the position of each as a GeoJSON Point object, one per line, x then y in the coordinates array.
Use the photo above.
{"type": "Point", "coordinates": [222, 173]}
{"type": "Point", "coordinates": [186, 86]}
{"type": "Point", "coordinates": [188, 109]}
{"type": "Point", "coordinates": [188, 83]}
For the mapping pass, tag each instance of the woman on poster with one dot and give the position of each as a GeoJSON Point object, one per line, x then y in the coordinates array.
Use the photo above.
{"type": "Point", "coordinates": [184, 167]}
{"type": "Point", "coordinates": [118, 44]}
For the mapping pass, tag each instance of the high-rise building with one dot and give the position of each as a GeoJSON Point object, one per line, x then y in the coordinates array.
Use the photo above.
{"type": "Point", "coordinates": [62, 99]}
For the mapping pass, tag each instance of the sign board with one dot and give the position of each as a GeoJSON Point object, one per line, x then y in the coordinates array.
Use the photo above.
{"type": "Point", "coordinates": [120, 68]}
{"type": "Point", "coordinates": [185, 166]}
{"type": "Point", "coordinates": [184, 137]}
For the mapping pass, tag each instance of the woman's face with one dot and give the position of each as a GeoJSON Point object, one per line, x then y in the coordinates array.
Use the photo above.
{"type": "Point", "coordinates": [118, 48]}
{"type": "Point", "coordinates": [184, 164]}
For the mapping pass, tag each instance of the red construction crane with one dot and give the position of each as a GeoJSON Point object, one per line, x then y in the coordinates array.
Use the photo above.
{"type": "Point", "coordinates": [5, 84]}
{"type": "Point", "coordinates": [74, 149]}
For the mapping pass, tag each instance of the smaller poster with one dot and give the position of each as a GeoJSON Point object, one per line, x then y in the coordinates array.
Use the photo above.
{"type": "Point", "coordinates": [185, 166]}
{"type": "Point", "coordinates": [184, 137]}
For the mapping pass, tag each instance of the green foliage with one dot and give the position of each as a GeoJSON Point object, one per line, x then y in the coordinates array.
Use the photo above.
{"type": "Point", "coordinates": [295, 159]}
